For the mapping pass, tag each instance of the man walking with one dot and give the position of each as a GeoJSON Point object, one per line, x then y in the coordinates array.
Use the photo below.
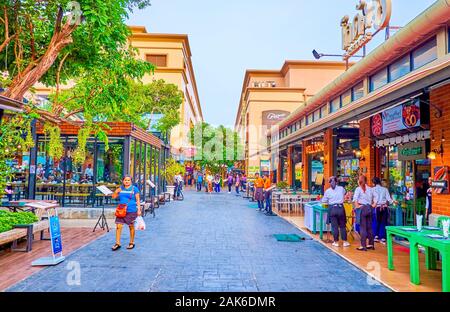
{"type": "Point", "coordinates": [199, 181]}
{"type": "Point", "coordinates": [268, 196]}
{"type": "Point", "coordinates": [259, 186]}
{"type": "Point", "coordinates": [334, 197]}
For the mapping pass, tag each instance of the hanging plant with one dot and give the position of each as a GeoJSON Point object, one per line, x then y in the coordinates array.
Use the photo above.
{"type": "Point", "coordinates": [79, 155]}
{"type": "Point", "coordinates": [55, 146]}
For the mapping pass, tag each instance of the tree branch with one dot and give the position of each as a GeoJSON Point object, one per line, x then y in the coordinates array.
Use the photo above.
{"type": "Point", "coordinates": [58, 75]}
{"type": "Point", "coordinates": [73, 113]}
{"type": "Point", "coordinates": [59, 18]}
{"type": "Point", "coordinates": [32, 41]}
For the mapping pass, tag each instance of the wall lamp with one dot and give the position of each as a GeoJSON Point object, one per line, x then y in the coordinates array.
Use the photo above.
{"type": "Point", "coordinates": [359, 154]}
{"type": "Point", "coordinates": [433, 154]}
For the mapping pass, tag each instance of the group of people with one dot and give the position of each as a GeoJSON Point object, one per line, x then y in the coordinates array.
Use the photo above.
{"type": "Point", "coordinates": [371, 204]}
{"type": "Point", "coordinates": [263, 193]}
{"type": "Point", "coordinates": [214, 183]}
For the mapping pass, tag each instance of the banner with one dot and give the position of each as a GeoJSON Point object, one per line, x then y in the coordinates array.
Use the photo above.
{"type": "Point", "coordinates": [401, 117]}
{"type": "Point", "coordinates": [55, 234]}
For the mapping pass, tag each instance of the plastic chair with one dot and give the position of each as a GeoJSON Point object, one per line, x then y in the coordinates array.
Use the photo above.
{"type": "Point", "coordinates": [409, 215]}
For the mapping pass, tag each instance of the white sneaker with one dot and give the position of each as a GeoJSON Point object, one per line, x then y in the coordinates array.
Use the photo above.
{"type": "Point", "coordinates": [347, 244]}
{"type": "Point", "coordinates": [335, 244]}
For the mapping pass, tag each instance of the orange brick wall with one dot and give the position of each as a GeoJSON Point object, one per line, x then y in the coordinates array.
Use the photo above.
{"type": "Point", "coordinates": [368, 151]}
{"type": "Point", "coordinates": [328, 167]}
{"type": "Point", "coordinates": [440, 98]}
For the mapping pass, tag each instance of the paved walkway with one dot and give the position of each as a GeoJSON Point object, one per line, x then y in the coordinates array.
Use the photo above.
{"type": "Point", "coordinates": [208, 242]}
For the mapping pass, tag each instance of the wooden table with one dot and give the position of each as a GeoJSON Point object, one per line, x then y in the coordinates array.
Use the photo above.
{"type": "Point", "coordinates": [431, 245]}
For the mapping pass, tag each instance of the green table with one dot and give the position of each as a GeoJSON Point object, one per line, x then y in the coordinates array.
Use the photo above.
{"type": "Point", "coordinates": [431, 247]}
{"type": "Point", "coordinates": [318, 208]}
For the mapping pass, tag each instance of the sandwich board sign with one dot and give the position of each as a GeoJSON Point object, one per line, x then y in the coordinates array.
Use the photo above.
{"type": "Point", "coordinates": [55, 239]}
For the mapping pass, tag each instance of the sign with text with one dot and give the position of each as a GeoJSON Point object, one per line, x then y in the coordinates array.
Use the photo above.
{"type": "Point", "coordinates": [441, 180]}
{"type": "Point", "coordinates": [314, 148]}
{"type": "Point", "coordinates": [55, 234]}
{"type": "Point", "coordinates": [412, 151]}
{"type": "Point", "coordinates": [265, 165]}
{"type": "Point", "coordinates": [357, 32]}
{"type": "Point", "coordinates": [398, 118]}
{"type": "Point", "coordinates": [272, 117]}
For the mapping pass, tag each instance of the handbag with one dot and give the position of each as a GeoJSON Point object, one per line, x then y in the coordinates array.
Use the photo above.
{"type": "Point", "coordinates": [121, 210]}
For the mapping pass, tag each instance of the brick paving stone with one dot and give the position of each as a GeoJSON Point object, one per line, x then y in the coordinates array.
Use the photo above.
{"type": "Point", "coordinates": [205, 243]}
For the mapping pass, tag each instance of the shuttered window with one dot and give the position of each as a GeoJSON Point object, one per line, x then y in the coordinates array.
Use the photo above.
{"type": "Point", "coordinates": [158, 60]}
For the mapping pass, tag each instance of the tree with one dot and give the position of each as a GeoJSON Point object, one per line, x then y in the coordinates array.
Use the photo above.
{"type": "Point", "coordinates": [55, 40]}
{"type": "Point", "coordinates": [217, 148]}
{"type": "Point", "coordinates": [157, 97]}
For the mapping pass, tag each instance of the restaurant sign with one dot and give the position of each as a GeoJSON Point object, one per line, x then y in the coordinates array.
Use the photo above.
{"type": "Point", "coordinates": [412, 151]}
{"type": "Point", "coordinates": [272, 117]}
{"type": "Point", "coordinates": [441, 180]}
{"type": "Point", "coordinates": [400, 117]}
{"type": "Point", "coordinates": [356, 33]}
{"type": "Point", "coordinates": [314, 148]}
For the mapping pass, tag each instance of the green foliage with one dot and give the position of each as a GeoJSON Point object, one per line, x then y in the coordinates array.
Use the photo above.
{"type": "Point", "coordinates": [282, 185]}
{"type": "Point", "coordinates": [79, 155]}
{"type": "Point", "coordinates": [15, 138]}
{"type": "Point", "coordinates": [9, 219]}
{"type": "Point", "coordinates": [353, 181]}
{"type": "Point", "coordinates": [172, 169]}
{"type": "Point", "coordinates": [157, 97]}
{"type": "Point", "coordinates": [55, 146]}
{"type": "Point", "coordinates": [217, 148]}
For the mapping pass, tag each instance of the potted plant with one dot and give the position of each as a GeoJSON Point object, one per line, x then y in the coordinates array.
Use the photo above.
{"type": "Point", "coordinates": [282, 185]}
{"type": "Point", "coordinates": [352, 185]}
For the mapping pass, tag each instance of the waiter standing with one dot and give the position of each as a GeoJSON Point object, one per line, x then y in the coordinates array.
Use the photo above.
{"type": "Point", "coordinates": [334, 197]}
{"type": "Point", "coordinates": [259, 187]}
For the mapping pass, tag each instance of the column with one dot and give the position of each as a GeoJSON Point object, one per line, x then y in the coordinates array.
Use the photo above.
{"type": "Point", "coordinates": [305, 164]}
{"type": "Point", "coordinates": [368, 159]}
{"type": "Point", "coordinates": [289, 169]}
{"type": "Point", "coordinates": [279, 168]}
{"type": "Point", "coordinates": [329, 166]}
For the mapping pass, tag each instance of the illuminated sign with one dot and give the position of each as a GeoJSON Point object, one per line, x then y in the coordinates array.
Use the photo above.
{"type": "Point", "coordinates": [315, 148]}
{"type": "Point", "coordinates": [356, 33]}
{"type": "Point", "coordinates": [272, 117]}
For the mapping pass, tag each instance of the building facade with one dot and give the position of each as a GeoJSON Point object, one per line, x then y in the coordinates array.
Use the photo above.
{"type": "Point", "coordinates": [269, 96]}
{"type": "Point", "coordinates": [386, 116]}
{"type": "Point", "coordinates": [171, 54]}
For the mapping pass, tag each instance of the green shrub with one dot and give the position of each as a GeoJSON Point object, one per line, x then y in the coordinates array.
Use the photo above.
{"type": "Point", "coordinates": [9, 219]}
{"type": "Point", "coordinates": [282, 185]}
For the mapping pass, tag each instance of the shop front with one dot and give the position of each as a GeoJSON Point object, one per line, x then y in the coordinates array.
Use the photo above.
{"type": "Point", "coordinates": [402, 137]}
{"type": "Point", "coordinates": [347, 152]}
{"type": "Point", "coordinates": [315, 161]}
{"type": "Point", "coordinates": [73, 182]}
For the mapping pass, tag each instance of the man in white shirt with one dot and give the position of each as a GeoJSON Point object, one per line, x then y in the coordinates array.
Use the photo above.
{"type": "Point", "coordinates": [363, 200]}
{"type": "Point", "coordinates": [334, 197]}
{"type": "Point", "coordinates": [89, 172]}
{"type": "Point", "coordinates": [382, 199]}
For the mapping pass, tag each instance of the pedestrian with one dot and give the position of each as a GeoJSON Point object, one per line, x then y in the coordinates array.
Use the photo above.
{"type": "Point", "coordinates": [244, 183]}
{"type": "Point", "coordinates": [334, 198]}
{"type": "Point", "coordinates": [268, 195]}
{"type": "Point", "coordinates": [382, 200]}
{"type": "Point", "coordinates": [229, 182]}
{"type": "Point", "coordinates": [238, 184]}
{"type": "Point", "coordinates": [180, 182]}
{"type": "Point", "coordinates": [259, 186]}
{"type": "Point", "coordinates": [210, 179]}
{"type": "Point", "coordinates": [217, 183]}
{"type": "Point", "coordinates": [363, 199]}
{"type": "Point", "coordinates": [199, 181]}
{"type": "Point", "coordinates": [128, 195]}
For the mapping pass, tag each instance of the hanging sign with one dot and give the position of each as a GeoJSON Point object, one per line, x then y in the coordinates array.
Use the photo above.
{"type": "Point", "coordinates": [441, 180]}
{"type": "Point", "coordinates": [398, 118]}
{"type": "Point", "coordinates": [412, 151]}
{"type": "Point", "coordinates": [356, 33]}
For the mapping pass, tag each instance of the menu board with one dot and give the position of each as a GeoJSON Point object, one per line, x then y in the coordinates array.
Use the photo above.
{"type": "Point", "coordinates": [400, 117]}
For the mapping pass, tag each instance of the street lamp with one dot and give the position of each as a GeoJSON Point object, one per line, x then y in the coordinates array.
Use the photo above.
{"type": "Point", "coordinates": [318, 55]}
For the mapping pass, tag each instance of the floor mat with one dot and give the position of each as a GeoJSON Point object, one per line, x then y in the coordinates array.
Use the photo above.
{"type": "Point", "coordinates": [288, 237]}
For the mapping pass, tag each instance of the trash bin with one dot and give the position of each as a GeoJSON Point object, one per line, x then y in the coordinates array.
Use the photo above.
{"type": "Point", "coordinates": [309, 221]}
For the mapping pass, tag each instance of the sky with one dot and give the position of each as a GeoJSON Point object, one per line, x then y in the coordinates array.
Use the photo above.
{"type": "Point", "coordinates": [229, 37]}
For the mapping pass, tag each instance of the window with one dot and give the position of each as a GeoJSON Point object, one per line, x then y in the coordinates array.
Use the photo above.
{"type": "Point", "coordinates": [425, 54]}
{"type": "Point", "coordinates": [324, 111]}
{"type": "Point", "coordinates": [378, 80]}
{"type": "Point", "coordinates": [302, 122]}
{"type": "Point", "coordinates": [309, 119]}
{"type": "Point", "coordinates": [157, 60]}
{"type": "Point", "coordinates": [358, 91]}
{"type": "Point", "coordinates": [317, 115]}
{"type": "Point", "coordinates": [346, 98]}
{"type": "Point", "coordinates": [399, 68]}
{"type": "Point", "coordinates": [335, 105]}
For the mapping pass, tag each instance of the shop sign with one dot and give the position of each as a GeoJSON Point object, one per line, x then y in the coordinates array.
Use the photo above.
{"type": "Point", "coordinates": [299, 171]}
{"type": "Point", "coordinates": [398, 118]}
{"type": "Point", "coordinates": [412, 151]}
{"type": "Point", "coordinates": [265, 165]}
{"type": "Point", "coordinates": [272, 117]}
{"type": "Point", "coordinates": [314, 148]}
{"type": "Point", "coordinates": [441, 180]}
{"type": "Point", "coordinates": [356, 33]}
{"type": "Point", "coordinates": [252, 170]}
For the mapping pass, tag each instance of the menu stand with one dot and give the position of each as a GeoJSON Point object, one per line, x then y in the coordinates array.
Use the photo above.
{"type": "Point", "coordinates": [101, 222]}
